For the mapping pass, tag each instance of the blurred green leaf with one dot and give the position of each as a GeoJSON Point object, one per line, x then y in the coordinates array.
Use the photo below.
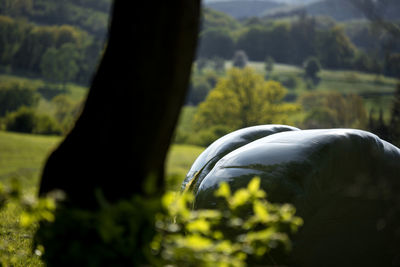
{"type": "Point", "coordinates": [223, 191]}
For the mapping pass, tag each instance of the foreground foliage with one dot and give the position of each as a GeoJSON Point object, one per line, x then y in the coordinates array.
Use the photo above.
{"type": "Point", "coordinates": [20, 215]}
{"type": "Point", "coordinates": [246, 231]}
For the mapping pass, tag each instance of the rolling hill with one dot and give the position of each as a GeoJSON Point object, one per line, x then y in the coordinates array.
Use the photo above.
{"type": "Point", "coordinates": [340, 10]}
{"type": "Point", "coordinates": [243, 9]}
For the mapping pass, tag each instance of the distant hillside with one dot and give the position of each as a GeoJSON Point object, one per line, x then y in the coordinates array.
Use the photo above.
{"type": "Point", "coordinates": [89, 15]}
{"type": "Point", "coordinates": [215, 19]}
{"type": "Point", "coordinates": [337, 9]}
{"type": "Point", "coordinates": [243, 9]}
{"type": "Point", "coordinates": [295, 2]}
{"type": "Point", "coordinates": [340, 10]}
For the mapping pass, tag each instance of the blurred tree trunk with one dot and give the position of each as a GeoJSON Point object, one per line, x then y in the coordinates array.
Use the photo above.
{"type": "Point", "coordinates": [120, 141]}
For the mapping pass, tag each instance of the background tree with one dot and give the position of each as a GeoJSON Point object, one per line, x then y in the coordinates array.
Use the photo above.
{"type": "Point", "coordinates": [216, 42]}
{"type": "Point", "coordinates": [269, 65]}
{"type": "Point", "coordinates": [26, 120]}
{"type": "Point", "coordinates": [392, 65]}
{"type": "Point", "coordinates": [311, 68]}
{"type": "Point", "coordinates": [373, 11]}
{"type": "Point", "coordinates": [303, 35]}
{"type": "Point", "coordinates": [332, 110]}
{"type": "Point", "coordinates": [243, 99]}
{"type": "Point", "coordinates": [60, 65]}
{"type": "Point", "coordinates": [66, 111]}
{"type": "Point", "coordinates": [15, 95]}
{"type": "Point", "coordinates": [240, 59]}
{"type": "Point", "coordinates": [12, 34]}
{"type": "Point", "coordinates": [200, 86]}
{"type": "Point", "coordinates": [214, 19]}
{"type": "Point", "coordinates": [335, 50]}
{"type": "Point", "coordinates": [198, 91]}
{"type": "Point", "coordinates": [253, 40]}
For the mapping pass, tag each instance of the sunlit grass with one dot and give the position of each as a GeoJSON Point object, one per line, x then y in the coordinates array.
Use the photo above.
{"type": "Point", "coordinates": [180, 159]}
{"type": "Point", "coordinates": [22, 157]}
{"type": "Point", "coordinates": [76, 92]}
{"type": "Point", "coordinates": [16, 243]}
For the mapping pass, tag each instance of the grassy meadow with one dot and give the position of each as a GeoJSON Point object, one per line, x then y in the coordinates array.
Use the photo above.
{"type": "Point", "coordinates": [22, 157]}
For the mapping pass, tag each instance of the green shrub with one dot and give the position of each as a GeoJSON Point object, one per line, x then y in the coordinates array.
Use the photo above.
{"type": "Point", "coordinates": [25, 120]}
{"type": "Point", "coordinates": [117, 234]}
{"type": "Point", "coordinates": [45, 124]}
{"type": "Point", "coordinates": [332, 110]}
{"type": "Point", "coordinates": [321, 117]}
{"type": "Point", "coordinates": [49, 91]}
{"type": "Point", "coordinates": [245, 230]}
{"type": "Point", "coordinates": [147, 231]}
{"type": "Point", "coordinates": [14, 95]}
{"type": "Point", "coordinates": [289, 81]}
{"type": "Point", "coordinates": [66, 111]}
{"type": "Point", "coordinates": [207, 136]}
{"type": "Point", "coordinates": [240, 59]}
{"type": "Point", "coordinates": [311, 67]}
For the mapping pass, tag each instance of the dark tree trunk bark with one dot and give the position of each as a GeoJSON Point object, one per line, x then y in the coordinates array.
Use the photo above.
{"type": "Point", "coordinates": [120, 141]}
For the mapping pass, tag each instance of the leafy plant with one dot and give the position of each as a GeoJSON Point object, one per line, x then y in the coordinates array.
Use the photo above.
{"type": "Point", "coordinates": [245, 230]}
{"type": "Point", "coordinates": [14, 95]}
{"type": "Point", "coordinates": [248, 230]}
{"type": "Point", "coordinates": [25, 120]}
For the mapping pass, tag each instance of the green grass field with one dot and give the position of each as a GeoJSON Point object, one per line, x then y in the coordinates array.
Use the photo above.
{"type": "Point", "coordinates": [22, 157]}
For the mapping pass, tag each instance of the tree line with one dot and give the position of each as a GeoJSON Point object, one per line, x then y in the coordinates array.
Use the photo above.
{"type": "Point", "coordinates": [28, 45]}
{"type": "Point", "coordinates": [19, 103]}
{"type": "Point", "coordinates": [293, 41]}
{"type": "Point", "coordinates": [58, 53]}
{"type": "Point", "coordinates": [90, 15]}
